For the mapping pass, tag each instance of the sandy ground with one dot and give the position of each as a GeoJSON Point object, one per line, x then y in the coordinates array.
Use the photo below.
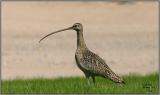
{"type": "Point", "coordinates": [125, 36]}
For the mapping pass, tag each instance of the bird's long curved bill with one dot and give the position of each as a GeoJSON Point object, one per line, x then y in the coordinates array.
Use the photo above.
{"type": "Point", "coordinates": [55, 32]}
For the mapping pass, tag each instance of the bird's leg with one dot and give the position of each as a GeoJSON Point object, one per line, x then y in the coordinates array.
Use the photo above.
{"type": "Point", "coordinates": [93, 78]}
{"type": "Point", "coordinates": [87, 76]}
{"type": "Point", "coordinates": [88, 81]}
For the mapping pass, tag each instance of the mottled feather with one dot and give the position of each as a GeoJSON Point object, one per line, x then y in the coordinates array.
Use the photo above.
{"type": "Point", "coordinates": [95, 66]}
{"type": "Point", "coordinates": [90, 63]}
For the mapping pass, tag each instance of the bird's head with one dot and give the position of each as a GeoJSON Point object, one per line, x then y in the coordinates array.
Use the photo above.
{"type": "Point", "coordinates": [77, 27]}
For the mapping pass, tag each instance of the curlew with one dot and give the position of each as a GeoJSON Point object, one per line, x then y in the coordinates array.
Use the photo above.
{"type": "Point", "coordinates": [91, 64]}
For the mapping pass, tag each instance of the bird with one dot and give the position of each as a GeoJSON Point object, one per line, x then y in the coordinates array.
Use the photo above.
{"type": "Point", "coordinates": [88, 62]}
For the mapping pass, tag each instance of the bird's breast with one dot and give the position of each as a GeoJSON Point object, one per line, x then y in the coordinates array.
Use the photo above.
{"type": "Point", "coordinates": [79, 61]}
{"type": "Point", "coordinates": [79, 54]}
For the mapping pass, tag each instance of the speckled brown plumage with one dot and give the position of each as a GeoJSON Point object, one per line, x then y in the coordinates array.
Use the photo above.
{"type": "Point", "coordinates": [90, 63]}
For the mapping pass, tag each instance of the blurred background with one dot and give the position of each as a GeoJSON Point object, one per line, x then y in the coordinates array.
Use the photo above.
{"type": "Point", "coordinates": [124, 34]}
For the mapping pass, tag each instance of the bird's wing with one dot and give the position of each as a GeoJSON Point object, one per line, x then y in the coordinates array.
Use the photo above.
{"type": "Point", "coordinates": [97, 65]}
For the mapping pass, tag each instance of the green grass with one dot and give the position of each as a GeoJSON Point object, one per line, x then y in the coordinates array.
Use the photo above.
{"type": "Point", "coordinates": [134, 84]}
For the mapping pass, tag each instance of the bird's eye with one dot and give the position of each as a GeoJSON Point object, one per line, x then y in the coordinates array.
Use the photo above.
{"type": "Point", "coordinates": [77, 26]}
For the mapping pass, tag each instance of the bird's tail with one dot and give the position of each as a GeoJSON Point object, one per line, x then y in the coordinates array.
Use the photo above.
{"type": "Point", "coordinates": [115, 78]}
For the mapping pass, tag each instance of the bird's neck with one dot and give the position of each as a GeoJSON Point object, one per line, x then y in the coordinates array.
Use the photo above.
{"type": "Point", "coordinates": [80, 40]}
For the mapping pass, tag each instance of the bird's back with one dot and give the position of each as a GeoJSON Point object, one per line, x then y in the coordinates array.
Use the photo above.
{"type": "Point", "coordinates": [92, 63]}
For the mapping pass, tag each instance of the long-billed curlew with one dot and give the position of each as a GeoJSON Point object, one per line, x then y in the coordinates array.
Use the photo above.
{"type": "Point", "coordinates": [90, 63]}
